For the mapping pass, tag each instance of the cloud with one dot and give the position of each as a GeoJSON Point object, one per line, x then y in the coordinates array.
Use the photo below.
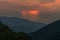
{"type": "Point", "coordinates": [47, 1]}
{"type": "Point", "coordinates": [49, 17]}
{"type": "Point", "coordinates": [8, 8]}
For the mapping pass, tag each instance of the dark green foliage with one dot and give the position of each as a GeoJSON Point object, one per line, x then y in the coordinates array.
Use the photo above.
{"type": "Point", "coordinates": [8, 34]}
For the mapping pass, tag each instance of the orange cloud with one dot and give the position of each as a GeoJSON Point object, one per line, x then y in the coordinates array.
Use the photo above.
{"type": "Point", "coordinates": [24, 14]}
{"type": "Point", "coordinates": [30, 14]}
{"type": "Point", "coordinates": [51, 5]}
{"type": "Point", "coordinates": [33, 12]}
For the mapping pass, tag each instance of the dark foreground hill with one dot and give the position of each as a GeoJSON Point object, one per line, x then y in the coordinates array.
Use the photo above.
{"type": "Point", "coordinates": [49, 32]}
{"type": "Point", "coordinates": [8, 34]}
{"type": "Point", "coordinates": [21, 25]}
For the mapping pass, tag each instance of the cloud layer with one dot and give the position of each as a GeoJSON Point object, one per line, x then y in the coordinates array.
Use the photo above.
{"type": "Point", "coordinates": [48, 9]}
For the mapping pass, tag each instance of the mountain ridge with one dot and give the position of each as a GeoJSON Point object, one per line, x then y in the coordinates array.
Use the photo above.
{"type": "Point", "coordinates": [21, 25]}
{"type": "Point", "coordinates": [48, 32]}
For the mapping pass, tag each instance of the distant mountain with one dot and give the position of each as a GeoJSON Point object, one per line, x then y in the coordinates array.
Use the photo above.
{"type": "Point", "coordinates": [21, 25]}
{"type": "Point", "coordinates": [49, 32]}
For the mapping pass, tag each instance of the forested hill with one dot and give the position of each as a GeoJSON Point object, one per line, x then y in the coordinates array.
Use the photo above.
{"type": "Point", "coordinates": [7, 34]}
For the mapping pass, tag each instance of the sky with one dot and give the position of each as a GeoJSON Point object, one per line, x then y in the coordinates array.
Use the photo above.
{"type": "Point", "coordinates": [45, 11]}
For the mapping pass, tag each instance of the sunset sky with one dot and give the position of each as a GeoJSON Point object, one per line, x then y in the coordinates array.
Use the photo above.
{"type": "Point", "coordinates": [45, 11]}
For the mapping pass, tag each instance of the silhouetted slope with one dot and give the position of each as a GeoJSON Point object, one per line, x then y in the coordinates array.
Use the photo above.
{"type": "Point", "coordinates": [7, 34]}
{"type": "Point", "coordinates": [49, 32]}
{"type": "Point", "coordinates": [21, 25]}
